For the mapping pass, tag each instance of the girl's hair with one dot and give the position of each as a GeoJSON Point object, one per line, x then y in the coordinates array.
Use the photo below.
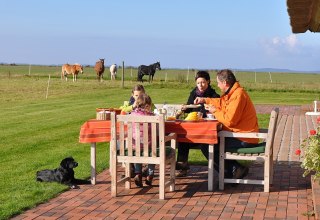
{"type": "Point", "coordinates": [228, 76]}
{"type": "Point", "coordinates": [143, 100]}
{"type": "Point", "coordinates": [138, 88]}
{"type": "Point", "coordinates": [203, 74]}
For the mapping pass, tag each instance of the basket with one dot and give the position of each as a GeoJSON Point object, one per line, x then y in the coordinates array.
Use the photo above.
{"type": "Point", "coordinates": [104, 113]}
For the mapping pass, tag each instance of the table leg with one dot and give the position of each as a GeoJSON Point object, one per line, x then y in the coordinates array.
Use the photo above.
{"type": "Point", "coordinates": [211, 168]}
{"type": "Point", "coordinates": [93, 163]}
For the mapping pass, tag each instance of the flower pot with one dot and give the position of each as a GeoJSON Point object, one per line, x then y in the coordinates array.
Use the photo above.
{"type": "Point", "coordinates": [315, 196]}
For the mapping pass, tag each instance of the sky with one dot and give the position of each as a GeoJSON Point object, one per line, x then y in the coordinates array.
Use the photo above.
{"type": "Point", "coordinates": [202, 34]}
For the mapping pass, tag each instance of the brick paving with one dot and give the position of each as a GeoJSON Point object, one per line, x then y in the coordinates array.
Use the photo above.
{"type": "Point", "coordinates": [290, 196]}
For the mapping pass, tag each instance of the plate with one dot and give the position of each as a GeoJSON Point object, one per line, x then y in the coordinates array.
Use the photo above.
{"type": "Point", "coordinates": [200, 120]}
{"type": "Point", "coordinates": [192, 106]}
{"type": "Point", "coordinates": [210, 119]}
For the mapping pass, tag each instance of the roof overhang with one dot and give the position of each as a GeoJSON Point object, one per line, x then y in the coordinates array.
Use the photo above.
{"type": "Point", "coordinates": [304, 15]}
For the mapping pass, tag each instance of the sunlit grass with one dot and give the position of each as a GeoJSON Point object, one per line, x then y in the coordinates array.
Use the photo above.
{"type": "Point", "coordinates": [38, 132]}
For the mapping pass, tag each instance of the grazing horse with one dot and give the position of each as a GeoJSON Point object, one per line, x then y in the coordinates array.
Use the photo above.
{"type": "Point", "coordinates": [99, 68]}
{"type": "Point", "coordinates": [148, 70]}
{"type": "Point", "coordinates": [68, 69]}
{"type": "Point", "coordinates": [113, 71]}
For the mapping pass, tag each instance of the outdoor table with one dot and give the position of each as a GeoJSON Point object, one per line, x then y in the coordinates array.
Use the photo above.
{"type": "Point", "coordinates": [205, 131]}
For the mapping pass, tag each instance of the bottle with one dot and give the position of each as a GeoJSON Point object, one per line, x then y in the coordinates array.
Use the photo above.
{"type": "Point", "coordinates": [165, 110]}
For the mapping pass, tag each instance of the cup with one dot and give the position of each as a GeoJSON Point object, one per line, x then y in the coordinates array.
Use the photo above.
{"type": "Point", "coordinates": [103, 115]}
{"type": "Point", "coordinates": [210, 116]}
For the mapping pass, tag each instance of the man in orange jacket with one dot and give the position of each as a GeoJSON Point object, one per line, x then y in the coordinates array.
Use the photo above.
{"type": "Point", "coordinates": [236, 112]}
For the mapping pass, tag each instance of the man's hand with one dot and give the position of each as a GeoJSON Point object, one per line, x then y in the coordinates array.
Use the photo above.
{"type": "Point", "coordinates": [210, 108]}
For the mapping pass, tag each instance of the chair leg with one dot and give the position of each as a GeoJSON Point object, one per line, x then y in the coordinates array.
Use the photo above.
{"type": "Point", "coordinates": [211, 168]}
{"type": "Point", "coordinates": [114, 178]}
{"type": "Point", "coordinates": [221, 173]}
{"type": "Point", "coordinates": [127, 174]}
{"type": "Point", "coordinates": [161, 180]}
{"type": "Point", "coordinates": [271, 169]}
{"type": "Point", "coordinates": [266, 174]}
{"type": "Point", "coordinates": [221, 163]}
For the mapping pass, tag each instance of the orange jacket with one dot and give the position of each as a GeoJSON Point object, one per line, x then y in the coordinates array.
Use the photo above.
{"type": "Point", "coordinates": [236, 112]}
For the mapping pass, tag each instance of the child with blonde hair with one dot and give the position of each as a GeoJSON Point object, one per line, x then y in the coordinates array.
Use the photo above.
{"type": "Point", "coordinates": [143, 107]}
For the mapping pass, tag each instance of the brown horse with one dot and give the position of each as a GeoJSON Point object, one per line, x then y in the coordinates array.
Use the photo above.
{"type": "Point", "coordinates": [99, 68]}
{"type": "Point", "coordinates": [68, 69]}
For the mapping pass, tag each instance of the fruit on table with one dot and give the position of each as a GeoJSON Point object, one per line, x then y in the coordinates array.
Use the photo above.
{"type": "Point", "coordinates": [192, 116]}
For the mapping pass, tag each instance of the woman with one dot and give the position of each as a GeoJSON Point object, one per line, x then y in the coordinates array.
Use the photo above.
{"type": "Point", "coordinates": [202, 89]}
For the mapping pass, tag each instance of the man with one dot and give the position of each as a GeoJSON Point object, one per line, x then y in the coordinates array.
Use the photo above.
{"type": "Point", "coordinates": [235, 110]}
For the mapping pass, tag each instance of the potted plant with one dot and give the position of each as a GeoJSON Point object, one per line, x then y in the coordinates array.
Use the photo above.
{"type": "Point", "coordinates": [311, 152]}
{"type": "Point", "coordinates": [311, 163]}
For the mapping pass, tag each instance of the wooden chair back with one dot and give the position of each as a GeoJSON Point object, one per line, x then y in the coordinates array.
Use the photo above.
{"type": "Point", "coordinates": [266, 156]}
{"type": "Point", "coordinates": [141, 139]}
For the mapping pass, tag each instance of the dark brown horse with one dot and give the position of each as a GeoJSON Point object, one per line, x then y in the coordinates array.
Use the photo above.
{"type": "Point", "coordinates": [148, 70]}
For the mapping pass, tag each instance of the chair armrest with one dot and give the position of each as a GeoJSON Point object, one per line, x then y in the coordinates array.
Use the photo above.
{"type": "Point", "coordinates": [171, 136]}
{"type": "Point", "coordinates": [242, 135]}
{"type": "Point", "coordinates": [263, 130]}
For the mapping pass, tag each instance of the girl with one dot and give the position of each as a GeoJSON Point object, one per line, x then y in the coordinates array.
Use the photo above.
{"type": "Point", "coordinates": [143, 107]}
{"type": "Point", "coordinates": [131, 105]}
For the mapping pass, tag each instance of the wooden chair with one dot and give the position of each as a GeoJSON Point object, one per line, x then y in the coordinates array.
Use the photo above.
{"type": "Point", "coordinates": [264, 152]}
{"type": "Point", "coordinates": [122, 151]}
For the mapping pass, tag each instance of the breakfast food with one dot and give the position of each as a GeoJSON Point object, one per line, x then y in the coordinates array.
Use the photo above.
{"type": "Point", "coordinates": [171, 118]}
{"type": "Point", "coordinates": [192, 116]}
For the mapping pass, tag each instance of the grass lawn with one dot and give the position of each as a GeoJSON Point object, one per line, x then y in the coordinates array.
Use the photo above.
{"type": "Point", "coordinates": [38, 132]}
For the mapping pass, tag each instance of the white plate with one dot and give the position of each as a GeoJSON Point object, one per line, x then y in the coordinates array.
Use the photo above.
{"type": "Point", "coordinates": [211, 119]}
{"type": "Point", "coordinates": [192, 106]}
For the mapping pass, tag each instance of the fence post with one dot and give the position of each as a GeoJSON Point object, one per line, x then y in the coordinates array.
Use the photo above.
{"type": "Point", "coordinates": [122, 81]}
{"type": "Point", "coordinates": [188, 75]}
{"type": "Point", "coordinates": [29, 69]}
{"type": "Point", "coordinates": [48, 87]}
{"type": "Point", "coordinates": [270, 77]}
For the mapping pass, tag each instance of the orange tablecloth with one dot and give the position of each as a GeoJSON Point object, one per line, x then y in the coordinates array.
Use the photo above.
{"type": "Point", "coordinates": [190, 132]}
{"type": "Point", "coordinates": [94, 131]}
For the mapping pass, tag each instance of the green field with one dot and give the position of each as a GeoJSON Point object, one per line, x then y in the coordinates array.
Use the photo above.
{"type": "Point", "coordinates": [41, 119]}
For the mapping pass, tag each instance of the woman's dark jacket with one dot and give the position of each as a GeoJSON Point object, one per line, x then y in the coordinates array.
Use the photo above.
{"type": "Point", "coordinates": [209, 92]}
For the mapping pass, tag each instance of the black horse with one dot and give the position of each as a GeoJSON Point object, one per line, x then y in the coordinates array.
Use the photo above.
{"type": "Point", "coordinates": [148, 70]}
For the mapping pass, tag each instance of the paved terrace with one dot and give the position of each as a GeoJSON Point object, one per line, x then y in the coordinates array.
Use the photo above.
{"type": "Point", "coordinates": [290, 196]}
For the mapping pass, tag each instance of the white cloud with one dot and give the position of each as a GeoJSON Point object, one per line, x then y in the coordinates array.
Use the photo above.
{"type": "Point", "coordinates": [276, 40]}
{"type": "Point", "coordinates": [291, 41]}
{"type": "Point", "coordinates": [278, 45]}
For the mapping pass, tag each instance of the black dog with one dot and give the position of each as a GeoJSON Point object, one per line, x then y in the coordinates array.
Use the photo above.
{"type": "Point", "coordinates": [64, 174]}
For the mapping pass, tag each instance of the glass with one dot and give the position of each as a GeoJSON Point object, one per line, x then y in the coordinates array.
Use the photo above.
{"type": "Point", "coordinates": [171, 111]}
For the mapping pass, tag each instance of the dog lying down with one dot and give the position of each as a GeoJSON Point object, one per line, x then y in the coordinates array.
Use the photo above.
{"type": "Point", "coordinates": [63, 174]}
